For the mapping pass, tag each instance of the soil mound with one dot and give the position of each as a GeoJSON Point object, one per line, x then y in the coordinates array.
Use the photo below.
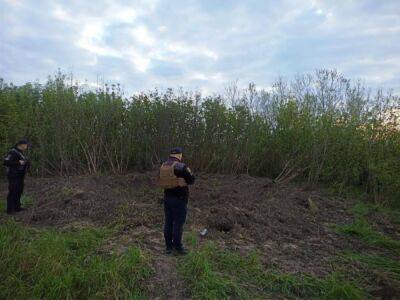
{"type": "Point", "coordinates": [288, 224]}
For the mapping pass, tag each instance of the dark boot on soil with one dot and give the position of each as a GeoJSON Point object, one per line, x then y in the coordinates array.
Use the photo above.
{"type": "Point", "coordinates": [181, 251]}
{"type": "Point", "coordinates": [168, 251]}
{"type": "Point", "coordinates": [20, 209]}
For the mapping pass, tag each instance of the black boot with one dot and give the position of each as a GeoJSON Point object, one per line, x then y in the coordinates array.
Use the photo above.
{"type": "Point", "coordinates": [168, 251]}
{"type": "Point", "coordinates": [181, 251]}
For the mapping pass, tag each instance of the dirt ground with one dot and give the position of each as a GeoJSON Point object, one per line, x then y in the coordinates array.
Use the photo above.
{"type": "Point", "coordinates": [289, 225]}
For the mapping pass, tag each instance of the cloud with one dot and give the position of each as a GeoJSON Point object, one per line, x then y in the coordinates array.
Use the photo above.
{"type": "Point", "coordinates": [201, 45]}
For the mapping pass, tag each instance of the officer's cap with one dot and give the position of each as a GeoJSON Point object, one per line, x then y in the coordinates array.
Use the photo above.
{"type": "Point", "coordinates": [23, 142]}
{"type": "Point", "coordinates": [176, 150]}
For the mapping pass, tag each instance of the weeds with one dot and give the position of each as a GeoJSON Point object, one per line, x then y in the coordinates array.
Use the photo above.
{"type": "Point", "coordinates": [363, 209]}
{"type": "Point", "coordinates": [215, 274]}
{"type": "Point", "coordinates": [389, 267]}
{"type": "Point", "coordinates": [26, 201]}
{"type": "Point", "coordinates": [54, 265]}
{"type": "Point", "coordinates": [363, 229]}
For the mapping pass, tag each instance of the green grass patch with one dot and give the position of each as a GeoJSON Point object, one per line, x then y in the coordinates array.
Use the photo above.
{"type": "Point", "coordinates": [26, 201]}
{"type": "Point", "coordinates": [363, 209]}
{"type": "Point", "coordinates": [64, 265]}
{"type": "Point", "coordinates": [362, 229]}
{"type": "Point", "coordinates": [215, 274]}
{"type": "Point", "coordinates": [378, 263]}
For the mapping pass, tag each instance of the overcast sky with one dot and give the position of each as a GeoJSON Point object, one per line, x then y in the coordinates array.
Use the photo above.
{"type": "Point", "coordinates": [203, 45]}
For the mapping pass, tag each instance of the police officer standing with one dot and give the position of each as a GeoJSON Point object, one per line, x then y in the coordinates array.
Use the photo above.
{"type": "Point", "coordinates": [175, 177]}
{"type": "Point", "coordinates": [17, 164]}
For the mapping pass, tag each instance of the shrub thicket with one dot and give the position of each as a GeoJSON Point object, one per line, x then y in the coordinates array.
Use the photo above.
{"type": "Point", "coordinates": [320, 128]}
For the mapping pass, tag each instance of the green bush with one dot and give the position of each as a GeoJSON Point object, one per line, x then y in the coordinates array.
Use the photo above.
{"type": "Point", "coordinates": [319, 128]}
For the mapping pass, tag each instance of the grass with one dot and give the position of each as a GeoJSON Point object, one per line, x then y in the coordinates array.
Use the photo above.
{"type": "Point", "coordinates": [362, 228]}
{"type": "Point", "coordinates": [385, 265]}
{"type": "Point", "coordinates": [67, 265]}
{"type": "Point", "coordinates": [214, 274]}
{"type": "Point", "coordinates": [363, 209]}
{"type": "Point", "coordinates": [73, 264]}
{"type": "Point", "coordinates": [373, 268]}
{"type": "Point", "coordinates": [26, 201]}
{"type": "Point", "coordinates": [64, 265]}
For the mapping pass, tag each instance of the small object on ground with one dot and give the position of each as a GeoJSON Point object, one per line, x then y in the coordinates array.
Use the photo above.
{"type": "Point", "coordinates": [204, 232]}
{"type": "Point", "coordinates": [289, 247]}
{"type": "Point", "coordinates": [312, 206]}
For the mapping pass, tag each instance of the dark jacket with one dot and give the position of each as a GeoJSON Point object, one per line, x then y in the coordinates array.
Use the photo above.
{"type": "Point", "coordinates": [11, 161]}
{"type": "Point", "coordinates": [182, 171]}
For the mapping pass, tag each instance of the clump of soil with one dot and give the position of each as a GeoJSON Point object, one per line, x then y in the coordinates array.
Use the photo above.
{"type": "Point", "coordinates": [290, 226]}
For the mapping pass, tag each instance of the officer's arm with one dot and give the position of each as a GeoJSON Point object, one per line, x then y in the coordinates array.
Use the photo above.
{"type": "Point", "coordinates": [184, 172]}
{"type": "Point", "coordinates": [11, 160]}
{"type": "Point", "coordinates": [28, 164]}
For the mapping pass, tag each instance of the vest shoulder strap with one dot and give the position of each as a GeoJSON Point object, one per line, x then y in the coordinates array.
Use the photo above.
{"type": "Point", "coordinates": [18, 153]}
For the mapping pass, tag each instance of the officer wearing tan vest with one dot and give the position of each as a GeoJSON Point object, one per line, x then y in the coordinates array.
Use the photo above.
{"type": "Point", "coordinates": [175, 177]}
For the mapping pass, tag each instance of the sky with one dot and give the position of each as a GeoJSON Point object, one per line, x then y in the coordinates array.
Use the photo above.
{"type": "Point", "coordinates": [199, 45]}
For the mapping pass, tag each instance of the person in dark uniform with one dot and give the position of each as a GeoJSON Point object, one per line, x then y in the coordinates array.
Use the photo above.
{"type": "Point", "coordinates": [17, 164]}
{"type": "Point", "coordinates": [175, 177]}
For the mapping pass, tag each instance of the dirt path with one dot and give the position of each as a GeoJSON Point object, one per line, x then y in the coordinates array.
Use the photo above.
{"type": "Point", "coordinates": [168, 279]}
{"type": "Point", "coordinates": [166, 282]}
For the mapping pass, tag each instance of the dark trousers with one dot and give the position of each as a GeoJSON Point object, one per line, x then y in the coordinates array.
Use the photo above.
{"type": "Point", "coordinates": [175, 216]}
{"type": "Point", "coordinates": [15, 190]}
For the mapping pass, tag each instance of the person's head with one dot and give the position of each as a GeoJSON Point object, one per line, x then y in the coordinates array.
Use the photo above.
{"type": "Point", "coordinates": [176, 152]}
{"type": "Point", "coordinates": [22, 144]}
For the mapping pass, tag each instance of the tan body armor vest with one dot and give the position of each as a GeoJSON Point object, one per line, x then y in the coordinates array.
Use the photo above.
{"type": "Point", "coordinates": [168, 179]}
